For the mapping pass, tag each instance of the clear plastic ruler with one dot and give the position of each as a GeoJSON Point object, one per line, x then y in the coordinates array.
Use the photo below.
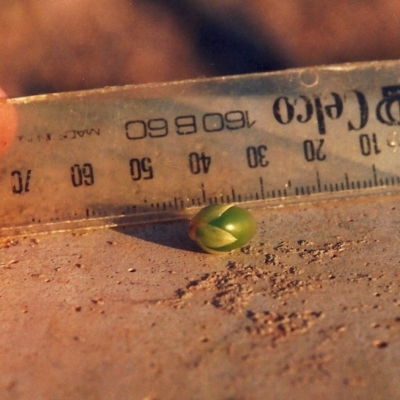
{"type": "Point", "coordinates": [135, 154]}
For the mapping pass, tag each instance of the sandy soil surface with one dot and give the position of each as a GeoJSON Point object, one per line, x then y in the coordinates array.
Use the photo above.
{"type": "Point", "coordinates": [309, 310]}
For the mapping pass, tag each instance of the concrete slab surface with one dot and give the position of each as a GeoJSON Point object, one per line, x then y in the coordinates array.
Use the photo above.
{"type": "Point", "coordinates": [310, 309]}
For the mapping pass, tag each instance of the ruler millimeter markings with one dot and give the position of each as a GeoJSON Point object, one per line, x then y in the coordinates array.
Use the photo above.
{"type": "Point", "coordinates": [135, 154]}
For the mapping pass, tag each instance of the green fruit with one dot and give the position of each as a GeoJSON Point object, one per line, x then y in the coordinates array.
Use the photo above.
{"type": "Point", "coordinates": [222, 228]}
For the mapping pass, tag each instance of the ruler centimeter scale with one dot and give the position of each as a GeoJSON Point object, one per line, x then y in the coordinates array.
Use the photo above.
{"type": "Point", "coordinates": [155, 152]}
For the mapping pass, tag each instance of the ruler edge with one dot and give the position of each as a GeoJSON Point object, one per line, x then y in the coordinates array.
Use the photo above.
{"type": "Point", "coordinates": [85, 225]}
{"type": "Point", "coordinates": [340, 68]}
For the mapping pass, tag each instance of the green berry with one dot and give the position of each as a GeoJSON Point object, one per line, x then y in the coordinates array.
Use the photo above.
{"type": "Point", "coordinates": [222, 228]}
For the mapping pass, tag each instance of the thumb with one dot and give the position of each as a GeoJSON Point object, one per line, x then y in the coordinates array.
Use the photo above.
{"type": "Point", "coordinates": [3, 94]}
{"type": "Point", "coordinates": [8, 123]}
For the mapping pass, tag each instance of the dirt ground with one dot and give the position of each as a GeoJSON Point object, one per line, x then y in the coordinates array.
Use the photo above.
{"type": "Point", "coordinates": [310, 309]}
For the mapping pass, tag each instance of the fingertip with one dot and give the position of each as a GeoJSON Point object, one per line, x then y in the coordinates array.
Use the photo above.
{"type": "Point", "coordinates": [3, 94]}
{"type": "Point", "coordinates": [8, 123]}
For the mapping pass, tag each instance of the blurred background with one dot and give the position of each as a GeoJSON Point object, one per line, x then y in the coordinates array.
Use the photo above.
{"type": "Point", "coordinates": [51, 46]}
